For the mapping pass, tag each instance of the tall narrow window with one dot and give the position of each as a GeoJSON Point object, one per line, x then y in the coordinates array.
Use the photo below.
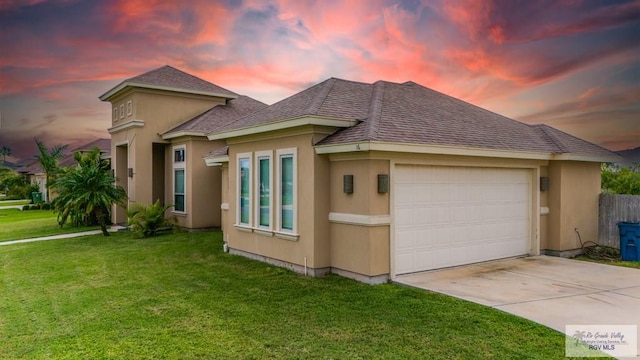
{"type": "Point", "coordinates": [263, 189]}
{"type": "Point", "coordinates": [244, 190]}
{"type": "Point", "coordinates": [179, 181]}
{"type": "Point", "coordinates": [287, 190]}
{"type": "Point", "coordinates": [129, 107]}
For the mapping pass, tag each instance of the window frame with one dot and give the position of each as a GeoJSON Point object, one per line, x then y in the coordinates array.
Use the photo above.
{"type": "Point", "coordinates": [262, 155]}
{"type": "Point", "coordinates": [239, 158]}
{"type": "Point", "coordinates": [129, 108]}
{"type": "Point", "coordinates": [177, 166]}
{"type": "Point", "coordinates": [115, 113]}
{"type": "Point", "coordinates": [121, 111]}
{"type": "Point", "coordinates": [280, 154]}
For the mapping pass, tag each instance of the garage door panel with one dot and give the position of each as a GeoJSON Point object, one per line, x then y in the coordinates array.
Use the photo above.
{"type": "Point", "coordinates": [458, 215]}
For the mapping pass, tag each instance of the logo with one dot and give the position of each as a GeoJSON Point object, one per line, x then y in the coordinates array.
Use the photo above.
{"type": "Point", "coordinates": [601, 340]}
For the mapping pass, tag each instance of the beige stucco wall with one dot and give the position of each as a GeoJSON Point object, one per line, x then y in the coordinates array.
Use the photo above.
{"type": "Point", "coordinates": [160, 111]}
{"type": "Point", "coordinates": [312, 200]}
{"type": "Point", "coordinates": [358, 248]}
{"type": "Point", "coordinates": [573, 203]}
{"type": "Point", "coordinates": [544, 218]}
{"type": "Point", "coordinates": [203, 184]}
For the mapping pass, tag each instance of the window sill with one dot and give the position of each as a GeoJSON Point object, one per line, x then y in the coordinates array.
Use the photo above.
{"type": "Point", "coordinates": [179, 213]}
{"type": "Point", "coordinates": [267, 233]}
{"type": "Point", "coordinates": [287, 236]}
{"type": "Point", "coordinates": [243, 228]}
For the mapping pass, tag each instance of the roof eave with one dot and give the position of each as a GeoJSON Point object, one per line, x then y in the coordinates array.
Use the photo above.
{"type": "Point", "coordinates": [177, 134]}
{"type": "Point", "coordinates": [216, 160]}
{"type": "Point", "coordinates": [283, 124]}
{"type": "Point", "coordinates": [588, 158]}
{"type": "Point", "coordinates": [109, 94]}
{"type": "Point", "coordinates": [428, 149]}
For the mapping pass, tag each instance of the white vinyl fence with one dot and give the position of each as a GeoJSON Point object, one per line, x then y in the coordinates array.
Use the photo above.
{"type": "Point", "coordinates": [615, 208]}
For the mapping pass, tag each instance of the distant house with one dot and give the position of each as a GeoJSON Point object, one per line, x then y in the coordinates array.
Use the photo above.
{"type": "Point", "coordinates": [36, 175]}
{"type": "Point", "coordinates": [369, 181]}
{"type": "Point", "coordinates": [630, 157]}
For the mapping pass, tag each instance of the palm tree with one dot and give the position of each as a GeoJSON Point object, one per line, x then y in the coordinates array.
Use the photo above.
{"type": "Point", "coordinates": [87, 191]}
{"type": "Point", "coordinates": [48, 158]}
{"type": "Point", "coordinates": [5, 151]}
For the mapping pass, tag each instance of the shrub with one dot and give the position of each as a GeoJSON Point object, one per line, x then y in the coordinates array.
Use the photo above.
{"type": "Point", "coordinates": [146, 220]}
{"type": "Point", "coordinates": [25, 207]}
{"type": "Point", "coordinates": [618, 180]}
{"type": "Point", "coordinates": [46, 206]}
{"type": "Point", "coordinates": [34, 207]}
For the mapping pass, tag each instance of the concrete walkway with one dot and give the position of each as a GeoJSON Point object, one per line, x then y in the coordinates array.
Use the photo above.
{"type": "Point", "coordinates": [61, 236]}
{"type": "Point", "coordinates": [548, 290]}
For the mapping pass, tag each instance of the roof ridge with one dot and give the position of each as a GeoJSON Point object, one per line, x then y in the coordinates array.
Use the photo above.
{"type": "Point", "coordinates": [321, 97]}
{"type": "Point", "coordinates": [554, 139]}
{"type": "Point", "coordinates": [375, 110]}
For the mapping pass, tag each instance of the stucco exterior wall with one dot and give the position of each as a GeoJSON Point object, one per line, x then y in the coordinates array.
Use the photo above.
{"type": "Point", "coordinates": [203, 184]}
{"type": "Point", "coordinates": [359, 248]}
{"type": "Point", "coordinates": [153, 112]}
{"type": "Point", "coordinates": [312, 240]}
{"type": "Point", "coordinates": [573, 204]}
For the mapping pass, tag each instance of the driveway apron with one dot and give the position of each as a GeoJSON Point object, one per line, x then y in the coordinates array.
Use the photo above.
{"type": "Point", "coordinates": [549, 290]}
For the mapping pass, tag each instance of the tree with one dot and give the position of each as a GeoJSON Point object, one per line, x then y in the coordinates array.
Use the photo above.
{"type": "Point", "coordinates": [5, 151]}
{"type": "Point", "coordinates": [48, 158]}
{"type": "Point", "coordinates": [87, 191]}
{"type": "Point", "coordinates": [621, 180]}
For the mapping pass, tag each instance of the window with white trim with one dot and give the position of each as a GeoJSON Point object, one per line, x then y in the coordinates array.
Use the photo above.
{"type": "Point", "coordinates": [129, 107]}
{"type": "Point", "coordinates": [264, 175]}
{"type": "Point", "coordinates": [287, 181]}
{"type": "Point", "coordinates": [115, 113]}
{"type": "Point", "coordinates": [179, 179]}
{"type": "Point", "coordinates": [122, 111]}
{"type": "Point", "coordinates": [244, 192]}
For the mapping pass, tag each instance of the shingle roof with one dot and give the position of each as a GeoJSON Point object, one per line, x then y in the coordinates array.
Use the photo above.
{"type": "Point", "coordinates": [330, 98]}
{"type": "Point", "coordinates": [168, 77]}
{"type": "Point", "coordinates": [103, 144]}
{"type": "Point", "coordinates": [220, 115]}
{"type": "Point", "coordinates": [413, 114]}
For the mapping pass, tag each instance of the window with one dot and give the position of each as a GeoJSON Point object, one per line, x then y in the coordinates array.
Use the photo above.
{"type": "Point", "coordinates": [179, 186]}
{"type": "Point", "coordinates": [244, 189]}
{"type": "Point", "coordinates": [287, 190]}
{"type": "Point", "coordinates": [263, 189]}
{"type": "Point", "coordinates": [129, 107]}
{"type": "Point", "coordinates": [122, 111]}
{"type": "Point", "coordinates": [178, 155]}
{"type": "Point", "coordinates": [115, 113]}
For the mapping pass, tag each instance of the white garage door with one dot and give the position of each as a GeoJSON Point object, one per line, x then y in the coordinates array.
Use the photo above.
{"type": "Point", "coordinates": [448, 216]}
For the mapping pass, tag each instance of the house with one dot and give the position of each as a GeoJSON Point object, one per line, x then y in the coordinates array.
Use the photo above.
{"type": "Point", "coordinates": [33, 170]}
{"type": "Point", "coordinates": [369, 181]}
{"type": "Point", "coordinates": [158, 138]}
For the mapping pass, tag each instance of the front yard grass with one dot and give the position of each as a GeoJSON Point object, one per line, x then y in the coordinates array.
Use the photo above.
{"type": "Point", "coordinates": [16, 224]}
{"type": "Point", "coordinates": [177, 296]}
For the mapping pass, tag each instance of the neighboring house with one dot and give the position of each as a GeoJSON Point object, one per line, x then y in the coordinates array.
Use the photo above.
{"type": "Point", "coordinates": [33, 170]}
{"type": "Point", "coordinates": [158, 138]}
{"type": "Point", "coordinates": [369, 181]}
{"type": "Point", "coordinates": [630, 157]}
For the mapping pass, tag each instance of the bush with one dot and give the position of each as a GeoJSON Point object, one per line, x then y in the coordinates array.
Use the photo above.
{"type": "Point", "coordinates": [618, 180]}
{"type": "Point", "coordinates": [146, 220]}
{"type": "Point", "coordinates": [34, 207]}
{"type": "Point", "coordinates": [26, 207]}
{"type": "Point", "coordinates": [46, 206]}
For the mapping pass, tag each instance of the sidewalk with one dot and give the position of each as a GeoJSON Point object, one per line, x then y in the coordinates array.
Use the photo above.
{"type": "Point", "coordinates": [61, 236]}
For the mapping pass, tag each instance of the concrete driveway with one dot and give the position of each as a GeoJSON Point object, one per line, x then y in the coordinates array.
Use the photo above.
{"type": "Point", "coordinates": [548, 290]}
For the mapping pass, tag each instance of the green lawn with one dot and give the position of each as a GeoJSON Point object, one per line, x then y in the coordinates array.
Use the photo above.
{"type": "Point", "coordinates": [16, 224]}
{"type": "Point", "coordinates": [178, 296]}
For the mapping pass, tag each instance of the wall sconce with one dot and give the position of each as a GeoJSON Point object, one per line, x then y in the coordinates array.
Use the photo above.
{"type": "Point", "coordinates": [383, 183]}
{"type": "Point", "coordinates": [544, 183]}
{"type": "Point", "coordinates": [130, 172]}
{"type": "Point", "coordinates": [347, 184]}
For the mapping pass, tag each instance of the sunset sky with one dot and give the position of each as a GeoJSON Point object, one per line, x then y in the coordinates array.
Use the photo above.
{"type": "Point", "coordinates": [572, 64]}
